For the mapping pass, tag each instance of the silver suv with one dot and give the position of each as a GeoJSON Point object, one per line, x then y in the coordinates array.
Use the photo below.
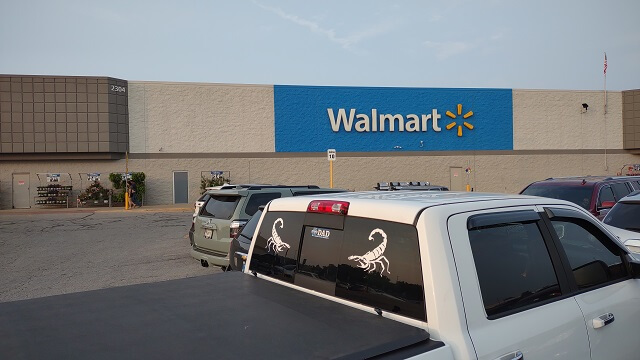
{"type": "Point", "coordinates": [227, 210]}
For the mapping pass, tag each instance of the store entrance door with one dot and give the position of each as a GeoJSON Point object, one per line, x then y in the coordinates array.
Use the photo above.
{"type": "Point", "coordinates": [21, 191]}
{"type": "Point", "coordinates": [180, 187]}
{"type": "Point", "coordinates": [456, 182]}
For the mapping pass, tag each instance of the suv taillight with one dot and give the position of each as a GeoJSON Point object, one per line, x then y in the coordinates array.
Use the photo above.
{"type": "Point", "coordinates": [235, 228]}
{"type": "Point", "coordinates": [328, 207]}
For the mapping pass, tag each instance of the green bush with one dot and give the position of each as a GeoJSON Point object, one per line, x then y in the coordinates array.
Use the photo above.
{"type": "Point", "coordinates": [208, 182]}
{"type": "Point", "coordinates": [117, 180]}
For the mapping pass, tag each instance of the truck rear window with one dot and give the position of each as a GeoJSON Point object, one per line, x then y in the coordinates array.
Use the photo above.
{"type": "Point", "coordinates": [368, 261]}
{"type": "Point", "coordinates": [220, 206]}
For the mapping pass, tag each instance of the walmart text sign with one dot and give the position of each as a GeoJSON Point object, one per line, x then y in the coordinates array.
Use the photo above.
{"type": "Point", "coordinates": [365, 119]}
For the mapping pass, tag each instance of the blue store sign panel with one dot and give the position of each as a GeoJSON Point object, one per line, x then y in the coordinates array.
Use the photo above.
{"type": "Point", "coordinates": [313, 119]}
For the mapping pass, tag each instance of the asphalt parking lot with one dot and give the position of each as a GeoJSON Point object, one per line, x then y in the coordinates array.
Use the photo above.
{"type": "Point", "coordinates": [45, 253]}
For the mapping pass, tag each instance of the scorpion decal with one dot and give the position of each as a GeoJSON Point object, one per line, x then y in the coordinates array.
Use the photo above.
{"type": "Point", "coordinates": [369, 260]}
{"type": "Point", "coordinates": [275, 242]}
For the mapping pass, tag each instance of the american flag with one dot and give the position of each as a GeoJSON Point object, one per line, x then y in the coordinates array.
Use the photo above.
{"type": "Point", "coordinates": [605, 63]}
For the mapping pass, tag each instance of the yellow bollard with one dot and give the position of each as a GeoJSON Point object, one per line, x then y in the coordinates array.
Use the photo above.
{"type": "Point", "coordinates": [126, 201]}
{"type": "Point", "coordinates": [468, 188]}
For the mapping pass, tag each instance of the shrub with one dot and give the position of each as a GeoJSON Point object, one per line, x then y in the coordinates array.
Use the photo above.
{"type": "Point", "coordinates": [95, 191]}
{"type": "Point", "coordinates": [208, 182]}
{"type": "Point", "coordinates": [117, 180]}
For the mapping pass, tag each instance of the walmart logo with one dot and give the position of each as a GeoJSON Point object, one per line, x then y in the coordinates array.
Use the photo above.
{"type": "Point", "coordinates": [341, 120]}
{"type": "Point", "coordinates": [452, 124]}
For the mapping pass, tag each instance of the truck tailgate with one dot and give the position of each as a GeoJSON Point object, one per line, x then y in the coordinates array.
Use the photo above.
{"type": "Point", "coordinates": [222, 316]}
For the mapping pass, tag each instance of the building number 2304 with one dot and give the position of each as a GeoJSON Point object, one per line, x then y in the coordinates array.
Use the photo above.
{"type": "Point", "coordinates": [118, 88]}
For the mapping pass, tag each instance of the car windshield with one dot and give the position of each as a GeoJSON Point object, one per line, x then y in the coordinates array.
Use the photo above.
{"type": "Point", "coordinates": [220, 206]}
{"type": "Point", "coordinates": [624, 216]}
{"type": "Point", "coordinates": [580, 195]}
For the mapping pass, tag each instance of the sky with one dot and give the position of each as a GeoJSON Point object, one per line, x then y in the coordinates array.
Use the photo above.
{"type": "Point", "coordinates": [532, 44]}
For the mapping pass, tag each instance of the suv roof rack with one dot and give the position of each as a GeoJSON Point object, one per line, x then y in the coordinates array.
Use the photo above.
{"type": "Point", "coordinates": [259, 187]}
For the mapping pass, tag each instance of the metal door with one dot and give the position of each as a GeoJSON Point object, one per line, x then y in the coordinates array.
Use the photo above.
{"type": "Point", "coordinates": [21, 193]}
{"type": "Point", "coordinates": [180, 187]}
{"type": "Point", "coordinates": [456, 179]}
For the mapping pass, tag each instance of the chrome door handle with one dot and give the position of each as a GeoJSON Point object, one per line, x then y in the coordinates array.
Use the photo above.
{"type": "Point", "coordinates": [603, 320]}
{"type": "Point", "coordinates": [517, 355]}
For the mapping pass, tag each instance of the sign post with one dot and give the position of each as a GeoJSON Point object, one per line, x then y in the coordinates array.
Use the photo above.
{"type": "Point", "coordinates": [126, 186]}
{"type": "Point", "coordinates": [331, 156]}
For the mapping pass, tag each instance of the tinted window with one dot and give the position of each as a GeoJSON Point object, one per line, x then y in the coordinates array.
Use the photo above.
{"type": "Point", "coordinates": [275, 252]}
{"type": "Point", "coordinates": [318, 264]}
{"type": "Point", "coordinates": [592, 256]}
{"type": "Point", "coordinates": [249, 228]}
{"type": "Point", "coordinates": [513, 266]}
{"type": "Point", "coordinates": [380, 267]}
{"type": "Point", "coordinates": [580, 195]}
{"type": "Point", "coordinates": [624, 216]}
{"type": "Point", "coordinates": [606, 194]}
{"type": "Point", "coordinates": [637, 184]}
{"type": "Point", "coordinates": [620, 190]}
{"type": "Point", "coordinates": [220, 206]}
{"type": "Point", "coordinates": [256, 200]}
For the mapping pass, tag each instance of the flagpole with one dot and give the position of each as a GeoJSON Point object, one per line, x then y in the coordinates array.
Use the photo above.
{"type": "Point", "coordinates": [606, 166]}
{"type": "Point", "coordinates": [605, 82]}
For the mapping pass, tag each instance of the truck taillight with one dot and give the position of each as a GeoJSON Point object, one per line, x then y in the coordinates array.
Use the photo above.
{"type": "Point", "coordinates": [328, 207]}
{"type": "Point", "coordinates": [235, 227]}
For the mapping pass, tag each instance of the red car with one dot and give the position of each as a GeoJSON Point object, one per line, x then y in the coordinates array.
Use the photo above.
{"type": "Point", "coordinates": [597, 194]}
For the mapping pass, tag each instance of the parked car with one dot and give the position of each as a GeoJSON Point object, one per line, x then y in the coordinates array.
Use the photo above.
{"type": "Point", "coordinates": [198, 204]}
{"type": "Point", "coordinates": [597, 194]}
{"type": "Point", "coordinates": [227, 210]}
{"type": "Point", "coordinates": [239, 247]}
{"type": "Point", "coordinates": [625, 214]}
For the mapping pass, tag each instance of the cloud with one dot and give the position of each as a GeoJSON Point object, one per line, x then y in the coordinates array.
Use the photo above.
{"type": "Point", "coordinates": [345, 42]}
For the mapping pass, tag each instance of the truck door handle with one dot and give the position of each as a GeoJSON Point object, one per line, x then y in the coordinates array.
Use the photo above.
{"type": "Point", "coordinates": [603, 320]}
{"type": "Point", "coordinates": [516, 355]}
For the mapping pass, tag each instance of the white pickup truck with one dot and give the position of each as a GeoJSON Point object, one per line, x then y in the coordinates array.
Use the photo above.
{"type": "Point", "coordinates": [424, 275]}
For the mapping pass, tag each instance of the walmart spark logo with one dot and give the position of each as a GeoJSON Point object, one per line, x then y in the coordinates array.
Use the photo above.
{"type": "Point", "coordinates": [452, 124]}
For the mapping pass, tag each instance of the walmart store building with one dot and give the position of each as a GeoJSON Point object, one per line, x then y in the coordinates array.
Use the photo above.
{"type": "Point", "coordinates": [495, 140]}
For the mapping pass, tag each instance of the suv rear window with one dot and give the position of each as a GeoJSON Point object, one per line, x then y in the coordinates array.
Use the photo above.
{"type": "Point", "coordinates": [220, 206]}
{"type": "Point", "coordinates": [368, 261]}
{"type": "Point", "coordinates": [578, 194]}
{"type": "Point", "coordinates": [624, 216]}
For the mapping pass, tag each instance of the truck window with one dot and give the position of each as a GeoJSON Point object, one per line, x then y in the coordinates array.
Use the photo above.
{"type": "Point", "coordinates": [275, 252]}
{"type": "Point", "coordinates": [593, 258]}
{"type": "Point", "coordinates": [380, 267]}
{"type": "Point", "coordinates": [513, 265]}
{"type": "Point", "coordinates": [319, 258]}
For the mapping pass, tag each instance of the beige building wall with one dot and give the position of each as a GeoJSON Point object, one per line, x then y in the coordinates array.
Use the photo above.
{"type": "Point", "coordinates": [556, 120]}
{"type": "Point", "coordinates": [200, 118]}
{"type": "Point", "coordinates": [502, 173]}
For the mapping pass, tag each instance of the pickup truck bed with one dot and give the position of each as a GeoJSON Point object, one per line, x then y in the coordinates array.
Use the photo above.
{"type": "Point", "coordinates": [222, 316]}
